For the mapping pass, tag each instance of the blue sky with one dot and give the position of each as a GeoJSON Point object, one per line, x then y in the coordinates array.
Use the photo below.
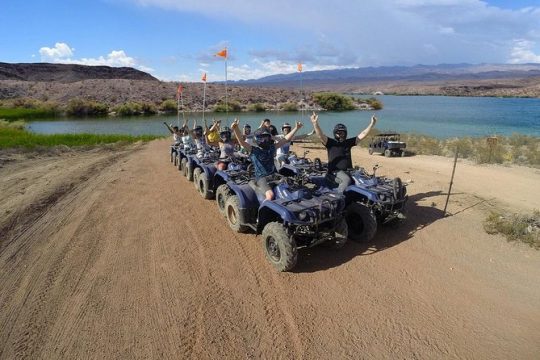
{"type": "Point", "coordinates": [175, 40]}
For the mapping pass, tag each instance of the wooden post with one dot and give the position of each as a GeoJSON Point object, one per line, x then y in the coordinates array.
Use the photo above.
{"type": "Point", "coordinates": [451, 182]}
{"type": "Point", "coordinates": [492, 141]}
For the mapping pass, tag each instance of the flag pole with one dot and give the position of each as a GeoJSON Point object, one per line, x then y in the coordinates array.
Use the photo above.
{"type": "Point", "coordinates": [226, 95]}
{"type": "Point", "coordinates": [177, 109]}
{"type": "Point", "coordinates": [182, 102]}
{"type": "Point", "coordinates": [302, 94]}
{"type": "Point", "coordinates": [204, 99]}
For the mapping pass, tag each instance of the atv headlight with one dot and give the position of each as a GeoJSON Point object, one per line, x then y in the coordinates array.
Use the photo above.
{"type": "Point", "coordinates": [302, 215]}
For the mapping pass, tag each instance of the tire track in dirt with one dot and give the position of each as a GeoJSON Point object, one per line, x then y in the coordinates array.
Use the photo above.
{"type": "Point", "coordinates": [41, 292]}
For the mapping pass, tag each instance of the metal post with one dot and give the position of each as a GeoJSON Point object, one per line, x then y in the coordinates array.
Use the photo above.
{"type": "Point", "coordinates": [451, 182]}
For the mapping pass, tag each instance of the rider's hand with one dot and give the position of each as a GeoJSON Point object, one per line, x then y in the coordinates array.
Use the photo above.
{"type": "Point", "coordinates": [373, 119]}
{"type": "Point", "coordinates": [234, 124]}
{"type": "Point", "coordinates": [299, 124]}
{"type": "Point", "coordinates": [314, 118]}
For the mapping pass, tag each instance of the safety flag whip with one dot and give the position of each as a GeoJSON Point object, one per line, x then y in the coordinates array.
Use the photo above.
{"type": "Point", "coordinates": [180, 101]}
{"type": "Point", "coordinates": [299, 68]}
{"type": "Point", "coordinates": [224, 54]}
{"type": "Point", "coordinates": [203, 78]}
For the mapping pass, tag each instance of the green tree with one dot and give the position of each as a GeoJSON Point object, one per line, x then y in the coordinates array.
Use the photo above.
{"type": "Point", "coordinates": [334, 101]}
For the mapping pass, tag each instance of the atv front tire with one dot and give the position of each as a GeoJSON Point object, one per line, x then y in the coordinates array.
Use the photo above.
{"type": "Point", "coordinates": [279, 248]}
{"type": "Point", "coordinates": [362, 224]}
{"type": "Point", "coordinates": [222, 194]}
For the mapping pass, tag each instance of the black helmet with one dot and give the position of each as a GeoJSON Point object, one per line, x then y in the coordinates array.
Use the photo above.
{"type": "Point", "coordinates": [247, 126]}
{"type": "Point", "coordinates": [198, 130]}
{"type": "Point", "coordinates": [263, 137]}
{"type": "Point", "coordinates": [340, 127]}
{"type": "Point", "coordinates": [286, 125]}
{"type": "Point", "coordinates": [225, 134]}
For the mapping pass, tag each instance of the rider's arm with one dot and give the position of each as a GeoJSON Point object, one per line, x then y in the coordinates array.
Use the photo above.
{"type": "Point", "coordinates": [239, 137]}
{"type": "Point", "coordinates": [317, 128]}
{"type": "Point", "coordinates": [366, 131]}
{"type": "Point", "coordinates": [287, 138]}
{"type": "Point", "coordinates": [169, 127]}
{"type": "Point", "coordinates": [205, 127]}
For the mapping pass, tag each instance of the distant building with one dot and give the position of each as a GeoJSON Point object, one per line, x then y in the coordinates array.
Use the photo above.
{"type": "Point", "coordinates": [378, 93]}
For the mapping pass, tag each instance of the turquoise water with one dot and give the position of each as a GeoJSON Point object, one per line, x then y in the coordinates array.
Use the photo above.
{"type": "Point", "coordinates": [437, 116]}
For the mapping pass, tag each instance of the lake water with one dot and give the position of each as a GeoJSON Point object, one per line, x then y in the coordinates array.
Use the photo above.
{"type": "Point", "coordinates": [437, 116]}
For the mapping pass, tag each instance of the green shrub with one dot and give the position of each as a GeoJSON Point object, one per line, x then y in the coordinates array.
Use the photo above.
{"type": "Point", "coordinates": [289, 106]}
{"type": "Point", "coordinates": [148, 108]}
{"type": "Point", "coordinates": [373, 102]}
{"type": "Point", "coordinates": [257, 107]}
{"type": "Point", "coordinates": [168, 106]}
{"type": "Point", "coordinates": [81, 107]}
{"type": "Point", "coordinates": [233, 106]}
{"type": "Point", "coordinates": [334, 101]}
{"type": "Point", "coordinates": [129, 109]}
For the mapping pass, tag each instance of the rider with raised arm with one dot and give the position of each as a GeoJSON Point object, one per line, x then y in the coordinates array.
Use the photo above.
{"type": "Point", "coordinates": [262, 154]}
{"type": "Point", "coordinates": [339, 149]}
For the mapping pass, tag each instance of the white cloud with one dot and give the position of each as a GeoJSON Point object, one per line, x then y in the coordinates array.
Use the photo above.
{"type": "Point", "coordinates": [522, 52]}
{"type": "Point", "coordinates": [63, 53]}
{"type": "Point", "coordinates": [382, 32]}
{"type": "Point", "coordinates": [59, 51]}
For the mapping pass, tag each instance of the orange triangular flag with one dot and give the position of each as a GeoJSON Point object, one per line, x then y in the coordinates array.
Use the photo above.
{"type": "Point", "coordinates": [299, 67]}
{"type": "Point", "coordinates": [204, 77]}
{"type": "Point", "coordinates": [222, 53]}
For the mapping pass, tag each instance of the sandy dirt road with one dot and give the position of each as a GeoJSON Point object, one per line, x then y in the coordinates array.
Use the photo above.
{"type": "Point", "coordinates": [113, 254]}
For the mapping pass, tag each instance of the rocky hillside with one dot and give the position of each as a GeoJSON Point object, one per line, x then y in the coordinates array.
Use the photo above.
{"type": "Point", "coordinates": [67, 73]}
{"type": "Point", "coordinates": [115, 92]}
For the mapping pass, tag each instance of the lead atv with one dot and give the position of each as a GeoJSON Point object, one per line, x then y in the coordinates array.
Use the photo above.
{"type": "Point", "coordinates": [302, 215]}
{"type": "Point", "coordinates": [370, 199]}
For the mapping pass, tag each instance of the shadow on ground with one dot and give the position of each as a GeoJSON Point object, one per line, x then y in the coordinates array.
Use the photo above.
{"type": "Point", "coordinates": [418, 217]}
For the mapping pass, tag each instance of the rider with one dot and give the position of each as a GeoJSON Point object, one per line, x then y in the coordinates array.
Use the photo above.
{"type": "Point", "coordinates": [226, 147]}
{"type": "Point", "coordinates": [200, 139]}
{"type": "Point", "coordinates": [176, 133]}
{"type": "Point", "coordinates": [262, 154]}
{"type": "Point", "coordinates": [282, 153]}
{"type": "Point", "coordinates": [212, 133]}
{"type": "Point", "coordinates": [339, 150]}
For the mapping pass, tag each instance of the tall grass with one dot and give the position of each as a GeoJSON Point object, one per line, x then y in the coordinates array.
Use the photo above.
{"type": "Point", "coordinates": [515, 149]}
{"type": "Point", "coordinates": [13, 135]}
{"type": "Point", "coordinates": [516, 227]}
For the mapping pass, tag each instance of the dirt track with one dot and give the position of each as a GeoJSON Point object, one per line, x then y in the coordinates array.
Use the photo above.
{"type": "Point", "coordinates": [115, 255]}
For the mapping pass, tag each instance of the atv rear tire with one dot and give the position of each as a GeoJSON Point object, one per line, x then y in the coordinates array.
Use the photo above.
{"type": "Point", "coordinates": [189, 172]}
{"type": "Point", "coordinates": [279, 248]}
{"type": "Point", "coordinates": [362, 224]}
{"type": "Point", "coordinates": [222, 194]}
{"type": "Point", "coordinates": [387, 153]}
{"type": "Point", "coordinates": [370, 151]}
{"type": "Point", "coordinates": [235, 217]}
{"type": "Point", "coordinates": [196, 174]}
{"type": "Point", "coordinates": [184, 166]}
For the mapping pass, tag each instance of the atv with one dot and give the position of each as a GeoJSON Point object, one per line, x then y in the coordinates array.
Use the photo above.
{"type": "Point", "coordinates": [301, 216]}
{"type": "Point", "coordinates": [387, 144]}
{"type": "Point", "coordinates": [370, 199]}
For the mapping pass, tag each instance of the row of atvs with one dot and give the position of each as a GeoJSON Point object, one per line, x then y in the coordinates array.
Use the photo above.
{"type": "Point", "coordinates": [306, 210]}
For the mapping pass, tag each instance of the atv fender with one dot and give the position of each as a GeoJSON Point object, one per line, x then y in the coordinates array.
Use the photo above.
{"type": "Point", "coordinates": [355, 193]}
{"type": "Point", "coordinates": [270, 212]}
{"type": "Point", "coordinates": [246, 195]}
